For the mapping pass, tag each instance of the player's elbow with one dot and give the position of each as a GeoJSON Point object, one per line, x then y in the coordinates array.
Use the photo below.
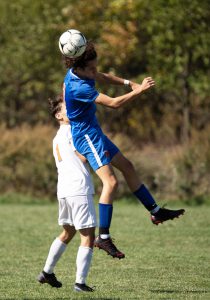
{"type": "Point", "coordinates": [115, 104]}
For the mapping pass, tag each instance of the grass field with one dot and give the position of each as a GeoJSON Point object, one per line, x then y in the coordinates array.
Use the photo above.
{"type": "Point", "coordinates": [169, 261]}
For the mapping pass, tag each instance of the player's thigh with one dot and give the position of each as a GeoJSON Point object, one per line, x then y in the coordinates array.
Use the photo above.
{"type": "Point", "coordinates": [120, 162]}
{"type": "Point", "coordinates": [64, 212]}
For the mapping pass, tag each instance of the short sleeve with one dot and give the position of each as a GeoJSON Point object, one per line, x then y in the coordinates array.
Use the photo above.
{"type": "Point", "coordinates": [86, 93]}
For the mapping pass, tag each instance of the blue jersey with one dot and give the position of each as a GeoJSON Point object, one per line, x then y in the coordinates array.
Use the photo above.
{"type": "Point", "coordinates": [88, 138]}
{"type": "Point", "coordinates": [80, 95]}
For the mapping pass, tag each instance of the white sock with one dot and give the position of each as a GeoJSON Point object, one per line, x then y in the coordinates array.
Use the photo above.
{"type": "Point", "coordinates": [56, 250]}
{"type": "Point", "coordinates": [84, 256]}
{"type": "Point", "coordinates": [104, 236]}
{"type": "Point", "coordinates": [155, 210]}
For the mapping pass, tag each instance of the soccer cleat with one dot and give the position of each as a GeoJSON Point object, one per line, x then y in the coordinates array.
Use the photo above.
{"type": "Point", "coordinates": [108, 246]}
{"type": "Point", "coordinates": [164, 214]}
{"type": "Point", "coordinates": [50, 279]}
{"type": "Point", "coordinates": [82, 287]}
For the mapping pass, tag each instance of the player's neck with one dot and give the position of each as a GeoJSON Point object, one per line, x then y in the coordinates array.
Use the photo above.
{"type": "Point", "coordinates": [63, 122]}
{"type": "Point", "coordinates": [79, 74]}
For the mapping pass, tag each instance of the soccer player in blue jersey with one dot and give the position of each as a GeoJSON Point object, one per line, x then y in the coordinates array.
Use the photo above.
{"type": "Point", "coordinates": [81, 98]}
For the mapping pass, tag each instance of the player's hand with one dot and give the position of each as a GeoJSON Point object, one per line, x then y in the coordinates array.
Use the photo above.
{"type": "Point", "coordinates": [147, 83]}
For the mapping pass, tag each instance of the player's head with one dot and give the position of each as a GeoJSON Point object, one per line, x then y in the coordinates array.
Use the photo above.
{"type": "Point", "coordinates": [58, 109]}
{"type": "Point", "coordinates": [84, 66]}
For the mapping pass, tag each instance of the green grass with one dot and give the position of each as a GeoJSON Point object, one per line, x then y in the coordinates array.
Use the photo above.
{"type": "Point", "coordinates": [169, 261]}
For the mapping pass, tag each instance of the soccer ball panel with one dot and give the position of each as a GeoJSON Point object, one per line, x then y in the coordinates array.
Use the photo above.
{"type": "Point", "coordinates": [72, 43]}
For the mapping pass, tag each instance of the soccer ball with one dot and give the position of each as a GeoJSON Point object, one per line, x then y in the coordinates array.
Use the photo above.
{"type": "Point", "coordinates": [72, 43]}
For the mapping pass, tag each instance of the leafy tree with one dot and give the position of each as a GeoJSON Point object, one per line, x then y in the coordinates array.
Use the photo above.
{"type": "Point", "coordinates": [30, 63]}
{"type": "Point", "coordinates": [168, 40]}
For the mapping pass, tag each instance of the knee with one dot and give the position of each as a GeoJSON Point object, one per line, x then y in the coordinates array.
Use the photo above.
{"type": "Point", "coordinates": [66, 236]}
{"type": "Point", "coordinates": [113, 183]}
{"type": "Point", "coordinates": [88, 241]}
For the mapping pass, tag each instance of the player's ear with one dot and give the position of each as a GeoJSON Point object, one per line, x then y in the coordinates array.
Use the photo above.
{"type": "Point", "coordinates": [58, 115]}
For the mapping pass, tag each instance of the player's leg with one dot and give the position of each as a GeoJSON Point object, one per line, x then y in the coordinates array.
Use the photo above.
{"type": "Point", "coordinates": [93, 147]}
{"type": "Point", "coordinates": [105, 151]}
{"type": "Point", "coordinates": [59, 244]}
{"type": "Point", "coordinates": [109, 181]}
{"type": "Point", "coordinates": [57, 248]}
{"type": "Point", "coordinates": [158, 215]}
{"type": "Point", "coordinates": [96, 150]}
{"type": "Point", "coordinates": [84, 257]}
{"type": "Point", "coordinates": [104, 241]}
{"type": "Point", "coordinates": [84, 219]}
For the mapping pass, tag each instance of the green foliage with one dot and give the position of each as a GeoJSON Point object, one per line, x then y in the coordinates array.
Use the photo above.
{"type": "Point", "coordinates": [29, 59]}
{"type": "Point", "coordinates": [168, 40]}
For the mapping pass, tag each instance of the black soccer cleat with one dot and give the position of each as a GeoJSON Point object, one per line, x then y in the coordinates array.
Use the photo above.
{"type": "Point", "coordinates": [108, 246]}
{"type": "Point", "coordinates": [50, 279]}
{"type": "Point", "coordinates": [82, 287]}
{"type": "Point", "coordinates": [164, 214]}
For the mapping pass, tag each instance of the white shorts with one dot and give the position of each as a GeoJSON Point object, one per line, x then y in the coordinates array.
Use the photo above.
{"type": "Point", "coordinates": [77, 211]}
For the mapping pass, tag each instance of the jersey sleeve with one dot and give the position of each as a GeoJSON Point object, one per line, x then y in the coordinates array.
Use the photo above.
{"type": "Point", "coordinates": [86, 93]}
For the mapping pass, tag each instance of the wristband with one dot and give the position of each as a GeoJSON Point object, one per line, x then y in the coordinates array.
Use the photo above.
{"type": "Point", "coordinates": [126, 82]}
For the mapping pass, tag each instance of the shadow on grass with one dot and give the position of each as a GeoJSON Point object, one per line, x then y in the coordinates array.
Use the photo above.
{"type": "Point", "coordinates": [161, 291]}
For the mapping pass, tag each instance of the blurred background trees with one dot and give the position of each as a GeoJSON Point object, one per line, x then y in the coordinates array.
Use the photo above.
{"type": "Point", "coordinates": [168, 40]}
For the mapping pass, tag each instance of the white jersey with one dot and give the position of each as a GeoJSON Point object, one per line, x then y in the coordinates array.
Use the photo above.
{"type": "Point", "coordinates": [74, 176]}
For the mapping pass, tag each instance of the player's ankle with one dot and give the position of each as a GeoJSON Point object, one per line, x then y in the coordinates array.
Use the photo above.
{"type": "Point", "coordinates": [155, 210]}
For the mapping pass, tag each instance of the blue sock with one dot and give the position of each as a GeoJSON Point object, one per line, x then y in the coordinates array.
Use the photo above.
{"type": "Point", "coordinates": [105, 217]}
{"type": "Point", "coordinates": [145, 198]}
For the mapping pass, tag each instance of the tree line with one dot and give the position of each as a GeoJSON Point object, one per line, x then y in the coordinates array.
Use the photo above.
{"type": "Point", "coordinates": [168, 40]}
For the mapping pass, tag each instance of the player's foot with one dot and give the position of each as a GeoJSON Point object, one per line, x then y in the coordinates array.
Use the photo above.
{"type": "Point", "coordinates": [82, 287]}
{"type": "Point", "coordinates": [164, 214]}
{"type": "Point", "coordinates": [108, 246]}
{"type": "Point", "coordinates": [50, 279]}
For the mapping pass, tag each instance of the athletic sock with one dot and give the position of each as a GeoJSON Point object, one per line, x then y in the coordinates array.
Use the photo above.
{"type": "Point", "coordinates": [56, 250]}
{"type": "Point", "coordinates": [146, 199]}
{"type": "Point", "coordinates": [105, 217]}
{"type": "Point", "coordinates": [84, 257]}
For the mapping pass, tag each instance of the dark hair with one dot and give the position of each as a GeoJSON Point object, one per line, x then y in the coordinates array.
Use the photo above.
{"type": "Point", "coordinates": [82, 61]}
{"type": "Point", "coordinates": [55, 104]}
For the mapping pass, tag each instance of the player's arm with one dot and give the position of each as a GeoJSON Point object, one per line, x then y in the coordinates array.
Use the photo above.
{"type": "Point", "coordinates": [109, 78]}
{"type": "Point", "coordinates": [119, 101]}
{"type": "Point", "coordinates": [115, 80]}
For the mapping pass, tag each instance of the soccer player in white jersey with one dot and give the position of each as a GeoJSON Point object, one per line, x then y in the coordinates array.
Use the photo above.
{"type": "Point", "coordinates": [81, 99]}
{"type": "Point", "coordinates": [75, 198]}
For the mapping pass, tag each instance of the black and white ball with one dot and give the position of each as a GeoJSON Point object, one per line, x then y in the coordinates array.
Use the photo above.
{"type": "Point", "coordinates": [72, 43]}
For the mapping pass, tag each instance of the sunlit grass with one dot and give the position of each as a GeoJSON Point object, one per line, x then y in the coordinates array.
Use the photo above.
{"type": "Point", "coordinates": [169, 261]}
